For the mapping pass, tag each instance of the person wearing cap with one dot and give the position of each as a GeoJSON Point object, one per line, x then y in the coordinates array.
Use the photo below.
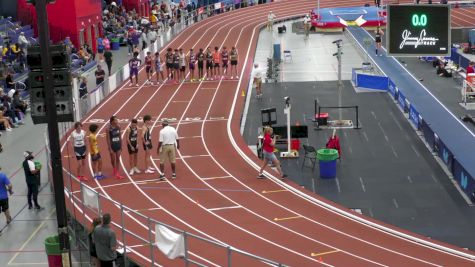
{"type": "Point", "coordinates": [270, 20]}
{"type": "Point", "coordinates": [32, 175]}
{"type": "Point", "coordinates": [167, 144]}
{"type": "Point", "coordinates": [5, 189]}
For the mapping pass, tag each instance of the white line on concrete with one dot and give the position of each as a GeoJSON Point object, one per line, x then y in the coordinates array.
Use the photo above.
{"type": "Point", "coordinates": [409, 179]}
{"type": "Point", "coordinates": [394, 152]}
{"type": "Point", "coordinates": [415, 151]}
{"type": "Point", "coordinates": [362, 185]}
{"type": "Point", "coordinates": [338, 184]}
{"type": "Point", "coordinates": [395, 203]}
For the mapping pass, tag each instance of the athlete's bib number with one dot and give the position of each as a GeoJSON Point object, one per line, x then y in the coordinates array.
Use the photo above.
{"type": "Point", "coordinates": [115, 139]}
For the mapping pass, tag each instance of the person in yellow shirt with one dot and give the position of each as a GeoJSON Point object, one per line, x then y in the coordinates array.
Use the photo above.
{"type": "Point", "coordinates": [95, 154]}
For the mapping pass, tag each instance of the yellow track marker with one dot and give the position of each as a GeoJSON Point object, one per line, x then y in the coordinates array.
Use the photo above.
{"type": "Point", "coordinates": [274, 191]}
{"type": "Point", "coordinates": [324, 253]}
{"type": "Point", "coordinates": [243, 93]}
{"type": "Point", "coordinates": [288, 218]}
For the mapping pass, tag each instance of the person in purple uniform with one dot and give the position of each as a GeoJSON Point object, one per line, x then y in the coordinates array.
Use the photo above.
{"type": "Point", "coordinates": [134, 64]}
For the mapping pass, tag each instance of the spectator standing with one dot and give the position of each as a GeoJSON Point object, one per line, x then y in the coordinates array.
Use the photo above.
{"type": "Point", "coordinates": [268, 144]}
{"type": "Point", "coordinates": [32, 175]}
{"type": "Point", "coordinates": [100, 74]}
{"type": "Point", "coordinates": [152, 37]}
{"type": "Point", "coordinates": [105, 242]}
{"type": "Point", "coordinates": [100, 48]}
{"type": "Point", "coordinates": [168, 143]}
{"type": "Point", "coordinates": [108, 58]}
{"type": "Point", "coordinates": [144, 38]}
{"type": "Point", "coordinates": [23, 42]}
{"type": "Point", "coordinates": [5, 189]}
{"type": "Point", "coordinates": [92, 246]}
{"type": "Point", "coordinates": [83, 87]}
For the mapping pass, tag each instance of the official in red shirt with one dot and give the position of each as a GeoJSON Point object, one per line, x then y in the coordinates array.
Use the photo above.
{"type": "Point", "coordinates": [470, 68]}
{"type": "Point", "coordinates": [268, 153]}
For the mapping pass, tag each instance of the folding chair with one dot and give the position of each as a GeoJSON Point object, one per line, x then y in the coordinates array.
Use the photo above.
{"type": "Point", "coordinates": [311, 154]}
{"type": "Point", "coordinates": [288, 55]}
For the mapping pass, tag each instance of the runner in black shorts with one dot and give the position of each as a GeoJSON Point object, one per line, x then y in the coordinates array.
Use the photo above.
{"type": "Point", "coordinates": [147, 142]}
{"type": "Point", "coordinates": [148, 67]}
{"type": "Point", "coordinates": [169, 63]}
{"type": "Point", "coordinates": [234, 62]}
{"type": "Point", "coordinates": [216, 61]}
{"type": "Point", "coordinates": [79, 144]}
{"type": "Point", "coordinates": [377, 38]}
{"type": "Point", "coordinates": [132, 146]}
{"type": "Point", "coordinates": [114, 143]}
{"type": "Point", "coordinates": [201, 59]}
{"type": "Point", "coordinates": [176, 66]}
{"type": "Point", "coordinates": [209, 63]}
{"type": "Point", "coordinates": [225, 60]}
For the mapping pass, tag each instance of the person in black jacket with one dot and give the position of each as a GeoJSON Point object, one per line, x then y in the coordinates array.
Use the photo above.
{"type": "Point", "coordinates": [32, 175]}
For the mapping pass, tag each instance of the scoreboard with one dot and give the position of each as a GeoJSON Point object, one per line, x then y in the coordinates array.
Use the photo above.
{"type": "Point", "coordinates": [418, 30]}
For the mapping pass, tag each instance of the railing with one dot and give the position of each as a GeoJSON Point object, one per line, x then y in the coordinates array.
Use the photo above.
{"type": "Point", "coordinates": [85, 202]}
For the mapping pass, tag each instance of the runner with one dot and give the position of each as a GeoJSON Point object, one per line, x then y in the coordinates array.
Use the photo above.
{"type": "Point", "coordinates": [148, 67]}
{"type": "Point", "coordinates": [176, 66]}
{"type": "Point", "coordinates": [225, 59]}
{"type": "Point", "coordinates": [377, 38]}
{"type": "Point", "coordinates": [147, 143]}
{"type": "Point", "coordinates": [216, 61]}
{"type": "Point", "coordinates": [191, 64]}
{"type": "Point", "coordinates": [95, 155]}
{"type": "Point", "coordinates": [114, 143]}
{"type": "Point", "coordinates": [158, 67]}
{"type": "Point", "coordinates": [132, 146]}
{"type": "Point", "coordinates": [134, 64]}
{"type": "Point", "coordinates": [209, 63]}
{"type": "Point", "coordinates": [182, 65]}
{"type": "Point", "coordinates": [270, 21]}
{"type": "Point", "coordinates": [234, 62]}
{"type": "Point", "coordinates": [79, 143]}
{"type": "Point", "coordinates": [201, 59]}
{"type": "Point", "coordinates": [306, 25]}
{"type": "Point", "coordinates": [169, 63]}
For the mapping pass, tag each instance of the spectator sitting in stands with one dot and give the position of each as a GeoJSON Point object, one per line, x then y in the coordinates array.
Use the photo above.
{"type": "Point", "coordinates": [84, 56]}
{"type": "Point", "coordinates": [4, 120]}
{"type": "Point", "coordinates": [9, 84]}
{"type": "Point", "coordinates": [89, 51]}
{"type": "Point", "coordinates": [18, 104]}
{"type": "Point", "coordinates": [441, 71]}
{"type": "Point", "coordinates": [470, 68]}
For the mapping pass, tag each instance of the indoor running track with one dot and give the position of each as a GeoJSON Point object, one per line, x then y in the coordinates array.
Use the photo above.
{"type": "Point", "coordinates": [217, 195]}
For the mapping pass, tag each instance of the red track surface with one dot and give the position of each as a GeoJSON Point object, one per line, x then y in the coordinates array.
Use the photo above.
{"type": "Point", "coordinates": [217, 170]}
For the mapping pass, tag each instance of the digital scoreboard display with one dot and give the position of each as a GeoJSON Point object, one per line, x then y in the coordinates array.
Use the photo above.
{"type": "Point", "coordinates": [418, 30]}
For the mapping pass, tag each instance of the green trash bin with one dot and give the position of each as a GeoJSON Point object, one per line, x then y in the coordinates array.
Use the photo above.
{"type": "Point", "coordinates": [327, 162]}
{"type": "Point", "coordinates": [53, 251]}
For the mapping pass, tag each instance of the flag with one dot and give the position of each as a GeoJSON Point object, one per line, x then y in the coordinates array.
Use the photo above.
{"type": "Point", "coordinates": [360, 21]}
{"type": "Point", "coordinates": [343, 22]}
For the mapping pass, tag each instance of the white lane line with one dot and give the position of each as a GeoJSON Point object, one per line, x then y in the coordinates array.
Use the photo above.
{"type": "Point", "coordinates": [365, 136]}
{"type": "Point", "coordinates": [409, 179]}
{"type": "Point", "coordinates": [384, 132]}
{"type": "Point", "coordinates": [394, 152]}
{"type": "Point", "coordinates": [415, 151]}
{"type": "Point", "coordinates": [395, 203]}
{"type": "Point", "coordinates": [217, 177]}
{"type": "Point", "coordinates": [434, 178]}
{"type": "Point", "coordinates": [396, 121]}
{"type": "Point", "coordinates": [225, 208]}
{"type": "Point", "coordinates": [338, 184]}
{"type": "Point", "coordinates": [194, 156]}
{"type": "Point", "coordinates": [374, 115]}
{"type": "Point", "coordinates": [362, 185]}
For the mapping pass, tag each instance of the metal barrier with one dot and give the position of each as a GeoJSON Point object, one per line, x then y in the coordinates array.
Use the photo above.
{"type": "Point", "coordinates": [84, 203]}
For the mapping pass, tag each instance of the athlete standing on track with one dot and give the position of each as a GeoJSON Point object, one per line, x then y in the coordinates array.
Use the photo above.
{"type": "Point", "coordinates": [306, 25]}
{"type": "Point", "coordinates": [216, 61]}
{"type": "Point", "coordinates": [176, 66]}
{"type": "Point", "coordinates": [225, 59]}
{"type": "Point", "coordinates": [94, 151]}
{"type": "Point", "coordinates": [114, 143]}
{"type": "Point", "coordinates": [158, 67]}
{"type": "Point", "coordinates": [134, 64]}
{"type": "Point", "coordinates": [132, 146]}
{"type": "Point", "coordinates": [377, 38]}
{"type": "Point", "coordinates": [209, 63]}
{"type": "Point", "coordinates": [270, 21]}
{"type": "Point", "coordinates": [268, 144]}
{"type": "Point", "coordinates": [201, 59]}
{"type": "Point", "coordinates": [234, 62]}
{"type": "Point", "coordinates": [182, 65]}
{"type": "Point", "coordinates": [148, 67]}
{"type": "Point", "coordinates": [147, 142]}
{"type": "Point", "coordinates": [169, 63]}
{"type": "Point", "coordinates": [79, 143]}
{"type": "Point", "coordinates": [191, 64]}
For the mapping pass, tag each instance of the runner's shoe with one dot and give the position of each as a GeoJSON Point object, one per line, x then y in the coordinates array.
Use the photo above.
{"type": "Point", "coordinates": [119, 177]}
{"type": "Point", "coordinates": [173, 175]}
{"type": "Point", "coordinates": [137, 170]}
{"type": "Point", "coordinates": [149, 171]}
{"type": "Point", "coordinates": [132, 171]}
{"type": "Point", "coordinates": [260, 176]}
{"type": "Point", "coordinates": [162, 177]}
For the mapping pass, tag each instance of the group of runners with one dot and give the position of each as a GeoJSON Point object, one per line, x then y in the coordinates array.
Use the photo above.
{"type": "Point", "coordinates": [217, 63]}
{"type": "Point", "coordinates": [133, 135]}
